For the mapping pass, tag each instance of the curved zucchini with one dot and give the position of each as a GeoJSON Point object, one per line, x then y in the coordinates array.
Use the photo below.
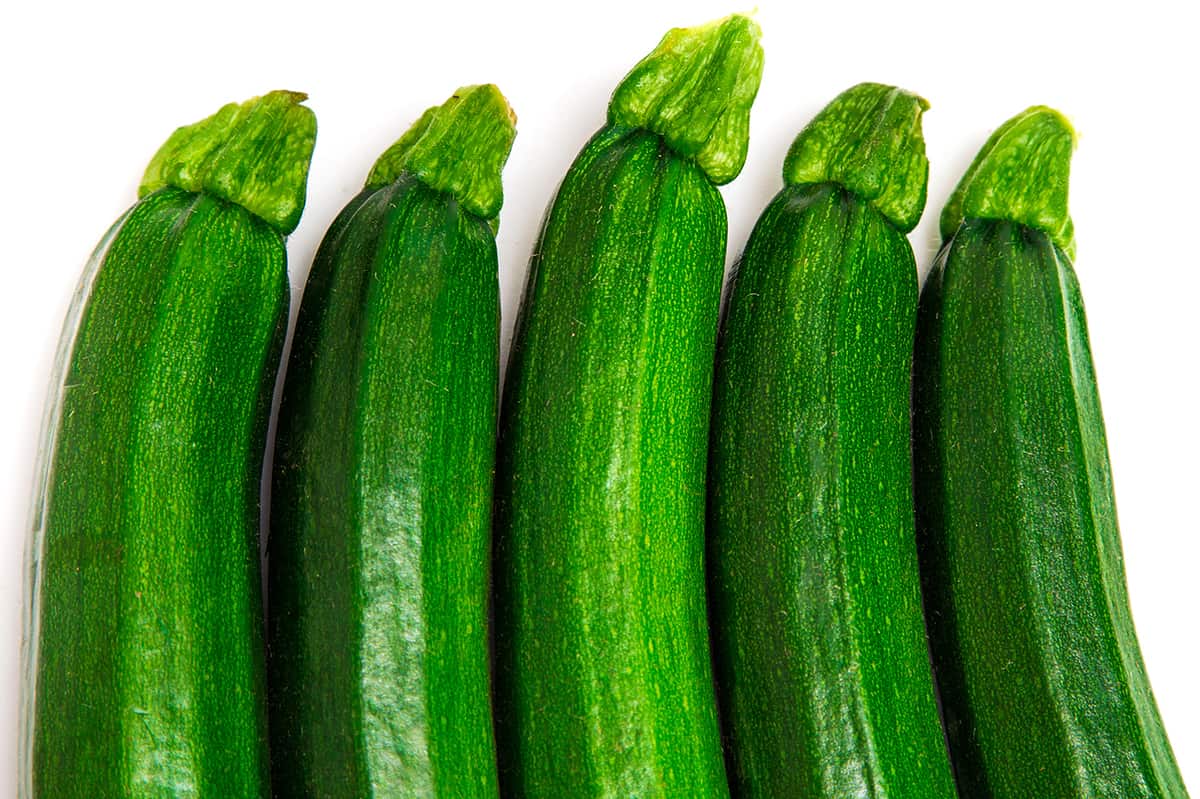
{"type": "Point", "coordinates": [1042, 683]}
{"type": "Point", "coordinates": [145, 657]}
{"type": "Point", "coordinates": [604, 681]}
{"type": "Point", "coordinates": [381, 505]}
{"type": "Point", "coordinates": [822, 665]}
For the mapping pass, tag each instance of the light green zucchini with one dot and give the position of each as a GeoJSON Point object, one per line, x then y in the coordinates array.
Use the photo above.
{"type": "Point", "coordinates": [144, 641]}
{"type": "Point", "coordinates": [604, 680]}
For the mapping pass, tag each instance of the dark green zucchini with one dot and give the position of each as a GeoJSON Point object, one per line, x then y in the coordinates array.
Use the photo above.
{"type": "Point", "coordinates": [820, 643]}
{"type": "Point", "coordinates": [145, 656]}
{"type": "Point", "coordinates": [1042, 683]}
{"type": "Point", "coordinates": [822, 665]}
{"type": "Point", "coordinates": [381, 508]}
{"type": "Point", "coordinates": [604, 680]}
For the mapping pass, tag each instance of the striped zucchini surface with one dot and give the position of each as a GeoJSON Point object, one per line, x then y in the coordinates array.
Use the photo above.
{"type": "Point", "coordinates": [145, 658]}
{"type": "Point", "coordinates": [604, 681]}
{"type": "Point", "coordinates": [381, 509]}
{"type": "Point", "coordinates": [1042, 683]}
{"type": "Point", "coordinates": [822, 664]}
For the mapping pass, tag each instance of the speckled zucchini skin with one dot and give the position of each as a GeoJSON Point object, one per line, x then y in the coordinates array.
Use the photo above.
{"type": "Point", "coordinates": [822, 666]}
{"type": "Point", "coordinates": [605, 684]}
{"type": "Point", "coordinates": [149, 660]}
{"type": "Point", "coordinates": [381, 507]}
{"type": "Point", "coordinates": [604, 676]}
{"type": "Point", "coordinates": [822, 663]}
{"type": "Point", "coordinates": [1042, 683]}
{"type": "Point", "coordinates": [143, 633]}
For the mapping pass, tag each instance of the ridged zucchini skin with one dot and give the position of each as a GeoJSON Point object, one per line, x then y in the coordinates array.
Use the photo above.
{"type": "Point", "coordinates": [150, 598]}
{"type": "Point", "coordinates": [822, 664]}
{"type": "Point", "coordinates": [145, 656]}
{"type": "Point", "coordinates": [605, 684]}
{"type": "Point", "coordinates": [1043, 687]}
{"type": "Point", "coordinates": [379, 554]}
{"type": "Point", "coordinates": [603, 678]}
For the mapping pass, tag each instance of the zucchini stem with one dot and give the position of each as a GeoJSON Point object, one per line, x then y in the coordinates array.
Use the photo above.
{"type": "Point", "coordinates": [254, 154]}
{"type": "Point", "coordinates": [695, 91]}
{"type": "Point", "coordinates": [459, 147]}
{"type": "Point", "coordinates": [869, 140]}
{"type": "Point", "coordinates": [1021, 175]}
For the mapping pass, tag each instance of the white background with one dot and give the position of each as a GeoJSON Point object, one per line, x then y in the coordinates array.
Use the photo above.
{"type": "Point", "coordinates": [89, 93]}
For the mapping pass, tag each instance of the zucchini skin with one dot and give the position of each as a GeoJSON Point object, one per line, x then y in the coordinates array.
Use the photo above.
{"type": "Point", "coordinates": [1043, 687]}
{"type": "Point", "coordinates": [147, 660]}
{"type": "Point", "coordinates": [381, 510]}
{"type": "Point", "coordinates": [604, 684]}
{"type": "Point", "coordinates": [822, 662]}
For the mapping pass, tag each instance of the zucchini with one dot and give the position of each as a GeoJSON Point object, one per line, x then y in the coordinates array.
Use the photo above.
{"type": "Point", "coordinates": [382, 496]}
{"type": "Point", "coordinates": [604, 679]}
{"type": "Point", "coordinates": [819, 639]}
{"type": "Point", "coordinates": [144, 660]}
{"type": "Point", "coordinates": [1042, 683]}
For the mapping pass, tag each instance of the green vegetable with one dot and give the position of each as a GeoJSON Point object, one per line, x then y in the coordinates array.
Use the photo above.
{"type": "Point", "coordinates": [382, 500]}
{"type": "Point", "coordinates": [1043, 688]}
{"type": "Point", "coordinates": [819, 638]}
{"type": "Point", "coordinates": [145, 658]}
{"type": "Point", "coordinates": [604, 682]}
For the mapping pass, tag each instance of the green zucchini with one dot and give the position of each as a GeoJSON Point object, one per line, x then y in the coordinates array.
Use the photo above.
{"type": "Point", "coordinates": [822, 665]}
{"type": "Point", "coordinates": [381, 505]}
{"type": "Point", "coordinates": [144, 643]}
{"type": "Point", "coordinates": [1042, 683]}
{"type": "Point", "coordinates": [604, 679]}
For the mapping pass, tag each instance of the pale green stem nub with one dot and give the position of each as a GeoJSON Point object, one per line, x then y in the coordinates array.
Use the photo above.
{"type": "Point", "coordinates": [255, 154]}
{"type": "Point", "coordinates": [695, 90]}
{"type": "Point", "coordinates": [1021, 175]}
{"type": "Point", "coordinates": [869, 140]}
{"type": "Point", "coordinates": [459, 147]}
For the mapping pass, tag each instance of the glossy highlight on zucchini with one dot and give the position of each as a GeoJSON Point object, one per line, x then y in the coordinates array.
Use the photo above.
{"type": "Point", "coordinates": [1042, 684]}
{"type": "Point", "coordinates": [144, 647]}
{"type": "Point", "coordinates": [381, 508]}
{"type": "Point", "coordinates": [604, 681]}
{"type": "Point", "coordinates": [822, 666]}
